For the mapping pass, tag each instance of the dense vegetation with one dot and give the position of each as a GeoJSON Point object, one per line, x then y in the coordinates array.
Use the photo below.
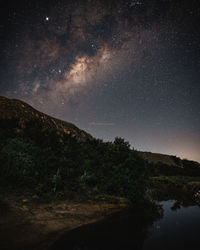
{"type": "Point", "coordinates": [41, 162]}
{"type": "Point", "coordinates": [52, 158]}
{"type": "Point", "coordinates": [180, 182]}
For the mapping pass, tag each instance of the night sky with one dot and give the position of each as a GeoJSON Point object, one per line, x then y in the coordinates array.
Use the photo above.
{"type": "Point", "coordinates": [114, 68]}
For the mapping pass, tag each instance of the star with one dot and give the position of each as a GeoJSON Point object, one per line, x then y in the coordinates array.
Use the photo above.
{"type": "Point", "coordinates": [134, 61]}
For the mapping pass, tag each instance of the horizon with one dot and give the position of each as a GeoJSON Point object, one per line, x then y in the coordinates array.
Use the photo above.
{"type": "Point", "coordinates": [127, 68]}
{"type": "Point", "coordinates": [112, 139]}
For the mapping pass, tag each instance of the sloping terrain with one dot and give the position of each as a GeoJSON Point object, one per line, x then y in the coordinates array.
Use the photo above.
{"type": "Point", "coordinates": [162, 158]}
{"type": "Point", "coordinates": [18, 115]}
{"type": "Point", "coordinates": [49, 185]}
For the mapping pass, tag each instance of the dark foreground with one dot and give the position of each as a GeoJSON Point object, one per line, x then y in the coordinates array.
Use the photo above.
{"type": "Point", "coordinates": [178, 228]}
{"type": "Point", "coordinates": [26, 224]}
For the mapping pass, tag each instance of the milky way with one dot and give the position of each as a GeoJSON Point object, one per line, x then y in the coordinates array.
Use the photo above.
{"type": "Point", "coordinates": [114, 68]}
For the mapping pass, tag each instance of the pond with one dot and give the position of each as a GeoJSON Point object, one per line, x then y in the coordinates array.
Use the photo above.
{"type": "Point", "coordinates": [177, 227]}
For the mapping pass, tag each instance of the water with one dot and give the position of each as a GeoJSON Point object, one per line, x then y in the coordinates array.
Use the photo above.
{"type": "Point", "coordinates": [179, 228]}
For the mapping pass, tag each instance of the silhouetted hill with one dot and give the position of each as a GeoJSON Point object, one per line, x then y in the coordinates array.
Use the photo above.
{"type": "Point", "coordinates": [19, 115]}
{"type": "Point", "coordinates": [52, 158]}
{"type": "Point", "coordinates": [162, 158]}
{"type": "Point", "coordinates": [169, 160]}
{"type": "Point", "coordinates": [169, 165]}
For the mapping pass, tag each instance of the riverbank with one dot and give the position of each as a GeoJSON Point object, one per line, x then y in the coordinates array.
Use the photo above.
{"type": "Point", "coordinates": [27, 223]}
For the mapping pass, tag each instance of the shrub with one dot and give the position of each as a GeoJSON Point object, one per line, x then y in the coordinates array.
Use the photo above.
{"type": "Point", "coordinates": [17, 159]}
{"type": "Point", "coordinates": [68, 166]}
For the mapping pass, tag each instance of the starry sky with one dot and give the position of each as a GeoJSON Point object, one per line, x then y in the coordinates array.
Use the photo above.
{"type": "Point", "coordinates": [128, 68]}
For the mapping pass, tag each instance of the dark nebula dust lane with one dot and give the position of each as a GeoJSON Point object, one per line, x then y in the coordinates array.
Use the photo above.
{"type": "Point", "coordinates": [128, 68]}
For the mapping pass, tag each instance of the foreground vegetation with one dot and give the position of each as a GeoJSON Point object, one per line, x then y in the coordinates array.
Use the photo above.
{"type": "Point", "coordinates": [37, 159]}
{"type": "Point", "coordinates": [49, 166]}
{"type": "Point", "coordinates": [48, 160]}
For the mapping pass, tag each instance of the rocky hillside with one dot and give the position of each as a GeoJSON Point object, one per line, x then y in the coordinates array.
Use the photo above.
{"type": "Point", "coordinates": [18, 115]}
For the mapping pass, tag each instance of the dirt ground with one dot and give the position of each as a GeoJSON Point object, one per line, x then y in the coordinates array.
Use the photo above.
{"type": "Point", "coordinates": [28, 224]}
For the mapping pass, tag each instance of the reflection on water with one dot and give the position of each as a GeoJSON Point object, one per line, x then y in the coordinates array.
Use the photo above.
{"type": "Point", "coordinates": [179, 228]}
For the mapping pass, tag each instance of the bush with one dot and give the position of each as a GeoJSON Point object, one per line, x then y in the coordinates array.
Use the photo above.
{"type": "Point", "coordinates": [52, 167]}
{"type": "Point", "coordinates": [17, 159]}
